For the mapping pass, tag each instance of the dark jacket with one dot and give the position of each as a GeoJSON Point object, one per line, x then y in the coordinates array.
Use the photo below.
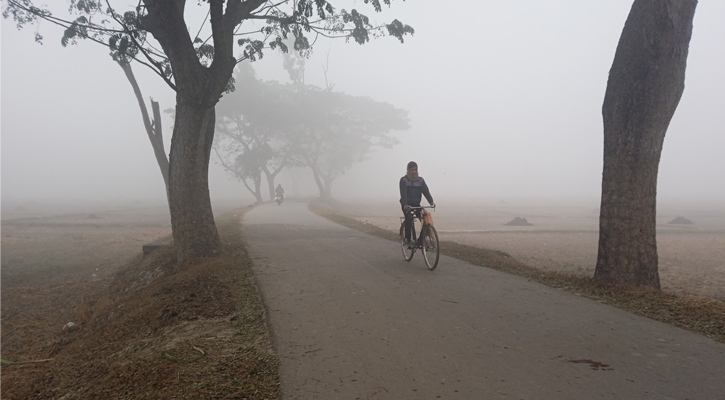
{"type": "Point", "coordinates": [412, 191]}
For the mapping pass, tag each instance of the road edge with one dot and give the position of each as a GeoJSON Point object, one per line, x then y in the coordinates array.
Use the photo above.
{"type": "Point", "coordinates": [693, 313]}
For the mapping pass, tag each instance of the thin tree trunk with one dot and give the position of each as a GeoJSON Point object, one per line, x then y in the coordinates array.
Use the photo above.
{"type": "Point", "coordinates": [318, 181]}
{"type": "Point", "coordinates": [258, 189]}
{"type": "Point", "coordinates": [158, 145]}
{"type": "Point", "coordinates": [153, 127]}
{"type": "Point", "coordinates": [645, 84]}
{"type": "Point", "coordinates": [270, 180]}
{"type": "Point", "coordinates": [312, 163]}
{"type": "Point", "coordinates": [328, 189]}
{"type": "Point", "coordinates": [192, 219]}
{"type": "Point", "coordinates": [255, 192]}
{"type": "Point", "coordinates": [270, 183]}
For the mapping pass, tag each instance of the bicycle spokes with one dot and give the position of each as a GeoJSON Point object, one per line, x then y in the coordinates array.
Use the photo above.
{"type": "Point", "coordinates": [431, 251]}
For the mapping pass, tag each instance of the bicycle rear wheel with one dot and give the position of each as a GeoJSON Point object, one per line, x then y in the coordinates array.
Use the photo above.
{"type": "Point", "coordinates": [408, 248]}
{"type": "Point", "coordinates": [431, 251]}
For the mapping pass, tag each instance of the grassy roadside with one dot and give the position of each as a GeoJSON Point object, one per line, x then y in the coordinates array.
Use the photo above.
{"type": "Point", "coordinates": [702, 315]}
{"type": "Point", "coordinates": [158, 330]}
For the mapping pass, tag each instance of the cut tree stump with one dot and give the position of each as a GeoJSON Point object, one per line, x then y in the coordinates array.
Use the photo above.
{"type": "Point", "coordinates": [150, 247]}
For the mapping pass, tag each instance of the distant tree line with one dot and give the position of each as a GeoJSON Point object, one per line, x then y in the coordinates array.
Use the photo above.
{"type": "Point", "coordinates": [271, 126]}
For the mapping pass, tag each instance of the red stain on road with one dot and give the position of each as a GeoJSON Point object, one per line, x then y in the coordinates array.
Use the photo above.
{"type": "Point", "coordinates": [595, 365]}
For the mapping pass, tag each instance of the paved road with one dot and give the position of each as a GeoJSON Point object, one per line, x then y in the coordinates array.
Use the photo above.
{"type": "Point", "coordinates": [352, 320]}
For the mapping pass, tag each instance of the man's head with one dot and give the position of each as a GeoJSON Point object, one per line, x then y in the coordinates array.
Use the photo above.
{"type": "Point", "coordinates": [412, 170]}
{"type": "Point", "coordinates": [279, 185]}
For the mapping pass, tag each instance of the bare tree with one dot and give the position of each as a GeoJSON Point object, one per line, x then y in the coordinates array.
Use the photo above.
{"type": "Point", "coordinates": [645, 84]}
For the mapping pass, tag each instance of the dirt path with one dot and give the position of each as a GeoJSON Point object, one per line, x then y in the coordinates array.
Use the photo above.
{"type": "Point", "coordinates": [352, 320]}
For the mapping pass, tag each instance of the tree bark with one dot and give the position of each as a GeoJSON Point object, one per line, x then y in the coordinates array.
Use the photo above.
{"type": "Point", "coordinates": [195, 234]}
{"type": "Point", "coordinates": [198, 89]}
{"type": "Point", "coordinates": [645, 85]}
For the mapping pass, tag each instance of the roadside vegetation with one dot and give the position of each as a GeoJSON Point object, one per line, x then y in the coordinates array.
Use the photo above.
{"type": "Point", "coordinates": [154, 330]}
{"type": "Point", "coordinates": [698, 314]}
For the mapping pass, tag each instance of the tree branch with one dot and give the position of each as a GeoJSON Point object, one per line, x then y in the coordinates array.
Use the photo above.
{"type": "Point", "coordinates": [281, 20]}
{"type": "Point", "coordinates": [156, 65]}
{"type": "Point", "coordinates": [59, 21]}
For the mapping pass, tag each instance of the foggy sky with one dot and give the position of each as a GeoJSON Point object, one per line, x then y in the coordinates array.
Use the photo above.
{"type": "Point", "coordinates": [504, 99]}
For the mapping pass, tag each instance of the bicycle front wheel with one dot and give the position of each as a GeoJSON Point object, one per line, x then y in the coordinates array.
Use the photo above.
{"type": "Point", "coordinates": [408, 248]}
{"type": "Point", "coordinates": [431, 251]}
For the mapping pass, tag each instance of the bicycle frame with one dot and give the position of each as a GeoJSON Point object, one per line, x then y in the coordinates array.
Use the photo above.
{"type": "Point", "coordinates": [411, 209]}
{"type": "Point", "coordinates": [427, 241]}
{"type": "Point", "coordinates": [415, 217]}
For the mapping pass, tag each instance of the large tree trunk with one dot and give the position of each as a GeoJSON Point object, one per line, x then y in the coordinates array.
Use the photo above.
{"type": "Point", "coordinates": [198, 89]}
{"type": "Point", "coordinates": [645, 84]}
{"type": "Point", "coordinates": [192, 219]}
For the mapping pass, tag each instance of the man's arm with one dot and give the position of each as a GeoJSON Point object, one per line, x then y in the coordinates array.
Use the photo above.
{"type": "Point", "coordinates": [403, 193]}
{"type": "Point", "coordinates": [426, 193]}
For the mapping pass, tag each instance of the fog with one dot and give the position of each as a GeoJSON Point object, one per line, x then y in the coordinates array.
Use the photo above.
{"type": "Point", "coordinates": [504, 100]}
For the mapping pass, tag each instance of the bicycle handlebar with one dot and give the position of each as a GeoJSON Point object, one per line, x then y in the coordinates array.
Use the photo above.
{"type": "Point", "coordinates": [421, 207]}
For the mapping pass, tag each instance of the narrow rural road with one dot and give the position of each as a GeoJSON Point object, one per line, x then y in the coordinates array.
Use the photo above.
{"type": "Point", "coordinates": [352, 320]}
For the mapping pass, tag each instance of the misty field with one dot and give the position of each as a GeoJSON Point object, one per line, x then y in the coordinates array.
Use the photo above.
{"type": "Point", "coordinates": [53, 254]}
{"type": "Point", "coordinates": [59, 243]}
{"type": "Point", "coordinates": [78, 300]}
{"type": "Point", "coordinates": [563, 237]}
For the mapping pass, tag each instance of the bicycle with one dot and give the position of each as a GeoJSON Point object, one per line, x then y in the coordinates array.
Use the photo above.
{"type": "Point", "coordinates": [427, 242]}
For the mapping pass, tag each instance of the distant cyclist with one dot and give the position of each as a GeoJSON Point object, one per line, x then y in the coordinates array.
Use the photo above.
{"type": "Point", "coordinates": [412, 188]}
{"type": "Point", "coordinates": [279, 192]}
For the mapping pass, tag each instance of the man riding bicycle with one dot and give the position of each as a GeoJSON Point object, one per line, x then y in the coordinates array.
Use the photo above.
{"type": "Point", "coordinates": [412, 188]}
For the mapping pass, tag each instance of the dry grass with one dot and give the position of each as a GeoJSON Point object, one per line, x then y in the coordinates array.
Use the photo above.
{"type": "Point", "coordinates": [698, 314]}
{"type": "Point", "coordinates": [153, 330]}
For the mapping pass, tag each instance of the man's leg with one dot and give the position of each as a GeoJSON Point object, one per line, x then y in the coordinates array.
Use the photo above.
{"type": "Point", "coordinates": [417, 214]}
{"type": "Point", "coordinates": [408, 223]}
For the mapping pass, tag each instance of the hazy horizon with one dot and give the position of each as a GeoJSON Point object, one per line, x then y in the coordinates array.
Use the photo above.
{"type": "Point", "coordinates": [504, 101]}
